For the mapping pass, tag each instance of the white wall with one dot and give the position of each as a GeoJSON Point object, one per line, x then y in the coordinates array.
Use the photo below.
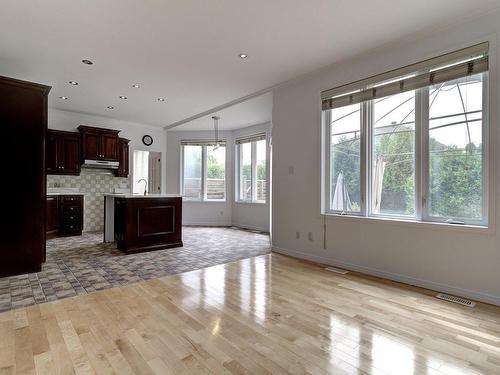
{"type": "Point", "coordinates": [199, 213]}
{"type": "Point", "coordinates": [245, 215]}
{"type": "Point", "coordinates": [64, 120]}
{"type": "Point", "coordinates": [464, 261]}
{"type": "Point", "coordinates": [253, 215]}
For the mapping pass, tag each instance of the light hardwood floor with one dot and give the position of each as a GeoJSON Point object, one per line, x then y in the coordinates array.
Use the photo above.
{"type": "Point", "coordinates": [268, 314]}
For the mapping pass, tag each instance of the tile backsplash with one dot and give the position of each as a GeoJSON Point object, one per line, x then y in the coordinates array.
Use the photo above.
{"type": "Point", "coordinates": [93, 183]}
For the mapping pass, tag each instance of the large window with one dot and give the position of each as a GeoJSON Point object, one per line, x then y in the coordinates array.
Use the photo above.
{"type": "Point", "coordinates": [410, 146]}
{"type": "Point", "coordinates": [203, 171]}
{"type": "Point", "coordinates": [251, 169]}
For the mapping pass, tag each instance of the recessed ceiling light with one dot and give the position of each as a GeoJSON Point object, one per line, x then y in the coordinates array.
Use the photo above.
{"type": "Point", "coordinates": [122, 97]}
{"type": "Point", "coordinates": [242, 55]}
{"type": "Point", "coordinates": [110, 107]}
{"type": "Point", "coordinates": [74, 83]}
{"type": "Point", "coordinates": [63, 97]}
{"type": "Point", "coordinates": [136, 86]}
{"type": "Point", "coordinates": [161, 99]}
{"type": "Point", "coordinates": [87, 62]}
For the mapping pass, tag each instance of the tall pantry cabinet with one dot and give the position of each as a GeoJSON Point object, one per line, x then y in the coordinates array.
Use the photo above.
{"type": "Point", "coordinates": [23, 124]}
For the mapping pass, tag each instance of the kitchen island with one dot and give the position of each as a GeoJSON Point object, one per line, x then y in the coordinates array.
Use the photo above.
{"type": "Point", "coordinates": [143, 222]}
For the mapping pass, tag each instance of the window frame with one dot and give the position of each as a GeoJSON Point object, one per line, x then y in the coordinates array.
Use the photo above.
{"type": "Point", "coordinates": [421, 172]}
{"type": "Point", "coordinates": [238, 163]}
{"type": "Point", "coordinates": [204, 173]}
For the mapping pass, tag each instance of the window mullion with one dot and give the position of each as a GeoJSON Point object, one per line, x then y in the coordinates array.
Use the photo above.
{"type": "Point", "coordinates": [327, 183]}
{"type": "Point", "coordinates": [254, 171]}
{"type": "Point", "coordinates": [422, 121]}
{"type": "Point", "coordinates": [181, 166]}
{"type": "Point", "coordinates": [366, 156]}
{"type": "Point", "coordinates": [204, 173]}
{"type": "Point", "coordinates": [418, 147]}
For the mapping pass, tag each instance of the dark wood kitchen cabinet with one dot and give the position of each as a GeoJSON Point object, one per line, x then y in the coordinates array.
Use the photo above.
{"type": "Point", "coordinates": [52, 220]}
{"type": "Point", "coordinates": [123, 158]}
{"type": "Point", "coordinates": [99, 143]}
{"type": "Point", "coordinates": [64, 215]}
{"type": "Point", "coordinates": [23, 119]}
{"type": "Point", "coordinates": [147, 223]}
{"type": "Point", "coordinates": [62, 152]}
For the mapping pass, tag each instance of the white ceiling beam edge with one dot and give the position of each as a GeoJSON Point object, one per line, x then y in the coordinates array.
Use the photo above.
{"type": "Point", "coordinates": [221, 107]}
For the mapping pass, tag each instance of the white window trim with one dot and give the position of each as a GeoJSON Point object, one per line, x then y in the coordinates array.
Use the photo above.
{"type": "Point", "coordinates": [421, 137]}
{"type": "Point", "coordinates": [204, 155]}
{"type": "Point", "coordinates": [238, 163]}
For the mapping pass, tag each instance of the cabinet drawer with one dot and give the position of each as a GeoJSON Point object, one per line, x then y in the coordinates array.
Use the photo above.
{"type": "Point", "coordinates": [71, 210]}
{"type": "Point", "coordinates": [71, 227]}
{"type": "Point", "coordinates": [72, 218]}
{"type": "Point", "coordinates": [72, 199]}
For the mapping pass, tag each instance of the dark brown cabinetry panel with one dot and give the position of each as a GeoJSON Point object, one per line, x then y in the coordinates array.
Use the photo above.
{"type": "Point", "coordinates": [145, 224]}
{"type": "Point", "coordinates": [123, 158]}
{"type": "Point", "coordinates": [99, 143]}
{"type": "Point", "coordinates": [71, 218]}
{"type": "Point", "coordinates": [51, 151]}
{"type": "Point", "coordinates": [52, 222]}
{"type": "Point", "coordinates": [64, 215]}
{"type": "Point", "coordinates": [62, 152]}
{"type": "Point", "coordinates": [23, 120]}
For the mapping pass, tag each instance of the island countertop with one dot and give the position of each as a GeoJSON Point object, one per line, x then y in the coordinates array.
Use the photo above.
{"type": "Point", "coordinates": [128, 196]}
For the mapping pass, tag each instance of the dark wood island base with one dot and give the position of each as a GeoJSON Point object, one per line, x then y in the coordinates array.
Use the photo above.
{"type": "Point", "coordinates": [148, 223]}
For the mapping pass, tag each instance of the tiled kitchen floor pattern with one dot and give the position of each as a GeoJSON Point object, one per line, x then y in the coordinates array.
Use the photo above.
{"type": "Point", "coordinates": [83, 264]}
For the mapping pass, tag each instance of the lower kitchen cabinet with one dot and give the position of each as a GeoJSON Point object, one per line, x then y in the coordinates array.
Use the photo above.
{"type": "Point", "coordinates": [64, 215]}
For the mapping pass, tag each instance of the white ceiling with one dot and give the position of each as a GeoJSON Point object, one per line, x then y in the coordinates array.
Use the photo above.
{"type": "Point", "coordinates": [254, 111]}
{"type": "Point", "coordinates": [186, 50]}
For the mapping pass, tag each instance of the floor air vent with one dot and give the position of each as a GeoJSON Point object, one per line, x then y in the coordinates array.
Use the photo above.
{"type": "Point", "coordinates": [336, 270]}
{"type": "Point", "coordinates": [459, 300]}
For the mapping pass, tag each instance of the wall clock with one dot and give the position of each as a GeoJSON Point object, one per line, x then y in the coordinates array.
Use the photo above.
{"type": "Point", "coordinates": [147, 140]}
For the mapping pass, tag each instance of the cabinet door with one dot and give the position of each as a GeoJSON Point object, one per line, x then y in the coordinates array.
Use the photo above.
{"type": "Point", "coordinates": [123, 168]}
{"type": "Point", "coordinates": [70, 154]}
{"type": "Point", "coordinates": [51, 153]}
{"type": "Point", "coordinates": [52, 221]}
{"type": "Point", "coordinates": [109, 149]}
{"type": "Point", "coordinates": [91, 145]}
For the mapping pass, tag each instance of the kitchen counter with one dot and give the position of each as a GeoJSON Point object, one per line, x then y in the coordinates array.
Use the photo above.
{"type": "Point", "coordinates": [128, 196]}
{"type": "Point", "coordinates": [56, 194]}
{"type": "Point", "coordinates": [143, 222]}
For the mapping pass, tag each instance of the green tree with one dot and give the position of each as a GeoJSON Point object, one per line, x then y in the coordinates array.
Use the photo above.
{"type": "Point", "coordinates": [455, 174]}
{"type": "Point", "coordinates": [214, 168]}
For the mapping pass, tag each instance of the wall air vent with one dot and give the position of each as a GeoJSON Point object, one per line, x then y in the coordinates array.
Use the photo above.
{"type": "Point", "coordinates": [453, 299]}
{"type": "Point", "coordinates": [336, 270]}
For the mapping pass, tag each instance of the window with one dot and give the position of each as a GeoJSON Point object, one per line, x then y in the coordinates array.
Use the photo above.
{"type": "Point", "coordinates": [410, 144]}
{"type": "Point", "coordinates": [146, 172]}
{"type": "Point", "coordinates": [252, 168]}
{"type": "Point", "coordinates": [203, 171]}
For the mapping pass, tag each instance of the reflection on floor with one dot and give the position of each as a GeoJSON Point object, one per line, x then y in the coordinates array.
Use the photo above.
{"type": "Point", "coordinates": [79, 265]}
{"type": "Point", "coordinates": [268, 314]}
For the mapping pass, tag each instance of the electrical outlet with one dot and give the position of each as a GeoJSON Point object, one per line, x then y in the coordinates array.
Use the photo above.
{"type": "Point", "coordinates": [222, 213]}
{"type": "Point", "coordinates": [297, 235]}
{"type": "Point", "coordinates": [291, 169]}
{"type": "Point", "coordinates": [310, 236]}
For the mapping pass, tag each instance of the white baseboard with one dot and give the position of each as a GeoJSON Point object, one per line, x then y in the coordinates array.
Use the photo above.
{"type": "Point", "coordinates": [208, 223]}
{"type": "Point", "coordinates": [251, 227]}
{"type": "Point", "coordinates": [438, 287]}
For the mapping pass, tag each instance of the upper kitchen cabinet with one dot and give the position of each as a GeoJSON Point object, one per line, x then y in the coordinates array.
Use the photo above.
{"type": "Point", "coordinates": [99, 143]}
{"type": "Point", "coordinates": [62, 152]}
{"type": "Point", "coordinates": [123, 158]}
{"type": "Point", "coordinates": [23, 115]}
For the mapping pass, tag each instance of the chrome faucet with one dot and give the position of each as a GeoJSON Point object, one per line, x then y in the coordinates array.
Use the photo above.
{"type": "Point", "coordinates": [145, 186]}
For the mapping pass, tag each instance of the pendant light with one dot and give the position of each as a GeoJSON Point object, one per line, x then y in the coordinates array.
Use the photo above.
{"type": "Point", "coordinates": [216, 131]}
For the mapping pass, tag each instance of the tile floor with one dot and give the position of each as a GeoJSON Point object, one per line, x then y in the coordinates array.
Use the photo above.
{"type": "Point", "coordinates": [84, 264]}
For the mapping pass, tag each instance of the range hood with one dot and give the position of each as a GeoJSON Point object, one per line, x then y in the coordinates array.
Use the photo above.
{"type": "Point", "coordinates": [100, 164]}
